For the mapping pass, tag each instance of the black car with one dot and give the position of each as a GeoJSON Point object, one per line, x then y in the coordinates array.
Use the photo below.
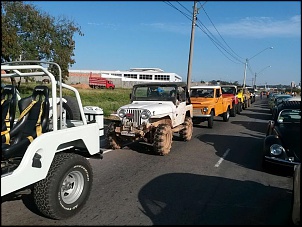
{"type": "Point", "coordinates": [282, 142]}
{"type": "Point", "coordinates": [277, 101]}
{"type": "Point", "coordinates": [296, 195]}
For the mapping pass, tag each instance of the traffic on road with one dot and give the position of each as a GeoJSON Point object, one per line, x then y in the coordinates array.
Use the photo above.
{"type": "Point", "coordinates": [215, 178]}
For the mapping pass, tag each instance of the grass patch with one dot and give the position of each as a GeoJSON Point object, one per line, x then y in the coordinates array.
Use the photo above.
{"type": "Point", "coordinates": [108, 100]}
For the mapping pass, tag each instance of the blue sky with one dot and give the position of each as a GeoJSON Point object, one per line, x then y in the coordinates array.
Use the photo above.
{"type": "Point", "coordinates": [119, 35]}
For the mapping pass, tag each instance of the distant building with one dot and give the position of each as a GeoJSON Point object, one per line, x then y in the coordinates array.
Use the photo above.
{"type": "Point", "coordinates": [125, 78]}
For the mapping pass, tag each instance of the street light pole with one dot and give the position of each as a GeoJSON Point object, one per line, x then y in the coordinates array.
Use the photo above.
{"type": "Point", "coordinates": [259, 73]}
{"type": "Point", "coordinates": [246, 62]}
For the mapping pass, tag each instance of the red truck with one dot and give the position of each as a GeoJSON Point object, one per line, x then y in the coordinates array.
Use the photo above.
{"type": "Point", "coordinates": [231, 91]}
{"type": "Point", "coordinates": [100, 82]}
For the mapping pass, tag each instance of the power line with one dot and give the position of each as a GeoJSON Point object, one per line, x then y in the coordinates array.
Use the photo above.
{"type": "Point", "coordinates": [203, 28]}
{"type": "Point", "coordinates": [174, 7]}
{"type": "Point", "coordinates": [219, 33]}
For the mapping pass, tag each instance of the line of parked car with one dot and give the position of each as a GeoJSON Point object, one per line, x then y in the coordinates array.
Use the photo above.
{"type": "Point", "coordinates": [220, 100]}
{"type": "Point", "coordinates": [157, 110]}
{"type": "Point", "coordinates": [282, 146]}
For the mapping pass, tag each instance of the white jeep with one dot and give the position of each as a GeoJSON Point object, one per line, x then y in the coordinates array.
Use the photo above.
{"type": "Point", "coordinates": [157, 110]}
{"type": "Point", "coordinates": [45, 150]}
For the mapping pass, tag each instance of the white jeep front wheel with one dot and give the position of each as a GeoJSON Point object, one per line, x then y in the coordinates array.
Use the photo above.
{"type": "Point", "coordinates": [163, 139]}
{"type": "Point", "coordinates": [187, 132]}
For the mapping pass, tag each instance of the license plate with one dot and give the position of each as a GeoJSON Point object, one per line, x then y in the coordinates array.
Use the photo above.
{"type": "Point", "coordinates": [125, 133]}
{"type": "Point", "coordinates": [196, 112]}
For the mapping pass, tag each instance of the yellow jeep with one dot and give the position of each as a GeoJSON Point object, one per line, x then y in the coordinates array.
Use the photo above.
{"type": "Point", "coordinates": [244, 97]}
{"type": "Point", "coordinates": [208, 102]}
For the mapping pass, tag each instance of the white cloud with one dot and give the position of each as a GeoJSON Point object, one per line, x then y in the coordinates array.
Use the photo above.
{"type": "Point", "coordinates": [169, 27]}
{"type": "Point", "coordinates": [106, 26]}
{"type": "Point", "coordinates": [262, 27]}
{"type": "Point", "coordinates": [253, 27]}
{"type": "Point", "coordinates": [91, 23]}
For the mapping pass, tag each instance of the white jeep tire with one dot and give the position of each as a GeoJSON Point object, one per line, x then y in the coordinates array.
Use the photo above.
{"type": "Point", "coordinates": [66, 188]}
{"type": "Point", "coordinates": [163, 139]}
{"type": "Point", "coordinates": [187, 132]}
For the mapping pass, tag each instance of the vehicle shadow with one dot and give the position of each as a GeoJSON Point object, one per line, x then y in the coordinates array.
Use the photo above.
{"type": "Point", "coordinates": [190, 199]}
{"type": "Point", "coordinates": [236, 145]}
{"type": "Point", "coordinates": [245, 151]}
{"type": "Point", "coordinates": [254, 126]}
{"type": "Point", "coordinates": [26, 197]}
{"type": "Point", "coordinates": [146, 148]}
{"type": "Point", "coordinates": [205, 123]}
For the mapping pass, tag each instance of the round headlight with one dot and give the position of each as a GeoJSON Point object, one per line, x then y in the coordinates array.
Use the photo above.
{"type": "Point", "coordinates": [146, 114]}
{"type": "Point", "coordinates": [276, 149]}
{"type": "Point", "coordinates": [121, 113]}
{"type": "Point", "coordinates": [205, 109]}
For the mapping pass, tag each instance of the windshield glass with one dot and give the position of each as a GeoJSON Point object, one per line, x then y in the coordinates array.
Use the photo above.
{"type": "Point", "coordinates": [280, 99]}
{"type": "Point", "coordinates": [289, 116]}
{"type": "Point", "coordinates": [154, 93]}
{"type": "Point", "coordinates": [252, 90]}
{"type": "Point", "coordinates": [202, 92]}
{"type": "Point", "coordinates": [228, 90]}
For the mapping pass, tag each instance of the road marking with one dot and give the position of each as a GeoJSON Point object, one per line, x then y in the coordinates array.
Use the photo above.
{"type": "Point", "coordinates": [222, 158]}
{"type": "Point", "coordinates": [106, 151]}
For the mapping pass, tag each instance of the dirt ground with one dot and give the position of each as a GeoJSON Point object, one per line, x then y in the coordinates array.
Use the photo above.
{"type": "Point", "coordinates": [81, 86]}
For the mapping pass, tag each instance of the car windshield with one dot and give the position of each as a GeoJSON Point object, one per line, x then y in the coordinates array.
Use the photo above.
{"type": "Point", "coordinates": [282, 98]}
{"type": "Point", "coordinates": [202, 92]}
{"type": "Point", "coordinates": [155, 93]}
{"type": "Point", "coordinates": [228, 90]}
{"type": "Point", "coordinates": [289, 116]}
{"type": "Point", "coordinates": [251, 90]}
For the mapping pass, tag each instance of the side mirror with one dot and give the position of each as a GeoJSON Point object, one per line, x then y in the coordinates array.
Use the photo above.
{"type": "Point", "coordinates": [130, 95]}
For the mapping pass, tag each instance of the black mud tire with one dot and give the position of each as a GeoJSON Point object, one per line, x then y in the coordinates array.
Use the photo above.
{"type": "Point", "coordinates": [226, 115]}
{"type": "Point", "coordinates": [72, 108]}
{"type": "Point", "coordinates": [239, 108]}
{"type": "Point", "coordinates": [66, 188]}
{"type": "Point", "coordinates": [163, 139]}
{"type": "Point", "coordinates": [196, 121]}
{"type": "Point", "coordinates": [244, 105]}
{"type": "Point", "coordinates": [187, 132]}
{"type": "Point", "coordinates": [266, 166]}
{"type": "Point", "coordinates": [233, 111]}
{"type": "Point", "coordinates": [114, 142]}
{"type": "Point", "coordinates": [211, 120]}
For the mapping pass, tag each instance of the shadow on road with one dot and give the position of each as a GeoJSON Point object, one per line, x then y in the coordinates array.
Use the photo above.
{"type": "Point", "coordinates": [183, 199]}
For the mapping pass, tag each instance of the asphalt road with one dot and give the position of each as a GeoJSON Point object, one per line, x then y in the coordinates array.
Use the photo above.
{"type": "Point", "coordinates": [214, 179]}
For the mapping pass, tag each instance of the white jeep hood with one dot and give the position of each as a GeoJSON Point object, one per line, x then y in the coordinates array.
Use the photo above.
{"type": "Point", "coordinates": [155, 107]}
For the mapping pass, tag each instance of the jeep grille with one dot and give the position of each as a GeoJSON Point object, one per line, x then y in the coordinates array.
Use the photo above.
{"type": "Point", "coordinates": [133, 115]}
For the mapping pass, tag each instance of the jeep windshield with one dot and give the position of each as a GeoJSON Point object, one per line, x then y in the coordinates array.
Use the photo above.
{"type": "Point", "coordinates": [251, 90]}
{"type": "Point", "coordinates": [154, 93]}
{"type": "Point", "coordinates": [228, 90]}
{"type": "Point", "coordinates": [202, 92]}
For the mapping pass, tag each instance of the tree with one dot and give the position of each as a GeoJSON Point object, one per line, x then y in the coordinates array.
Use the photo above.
{"type": "Point", "coordinates": [35, 35]}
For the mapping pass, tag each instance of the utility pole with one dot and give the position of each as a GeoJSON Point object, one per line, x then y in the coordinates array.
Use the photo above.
{"type": "Point", "coordinates": [255, 81]}
{"type": "Point", "coordinates": [244, 78]}
{"type": "Point", "coordinates": [195, 11]}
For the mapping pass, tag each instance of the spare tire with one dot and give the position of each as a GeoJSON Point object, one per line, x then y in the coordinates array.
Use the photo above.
{"type": "Point", "coordinates": [72, 108]}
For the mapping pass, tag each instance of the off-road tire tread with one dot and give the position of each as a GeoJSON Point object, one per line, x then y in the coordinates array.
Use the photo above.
{"type": "Point", "coordinates": [45, 192]}
{"type": "Point", "coordinates": [186, 133]}
{"type": "Point", "coordinates": [113, 141]}
{"type": "Point", "coordinates": [163, 139]}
